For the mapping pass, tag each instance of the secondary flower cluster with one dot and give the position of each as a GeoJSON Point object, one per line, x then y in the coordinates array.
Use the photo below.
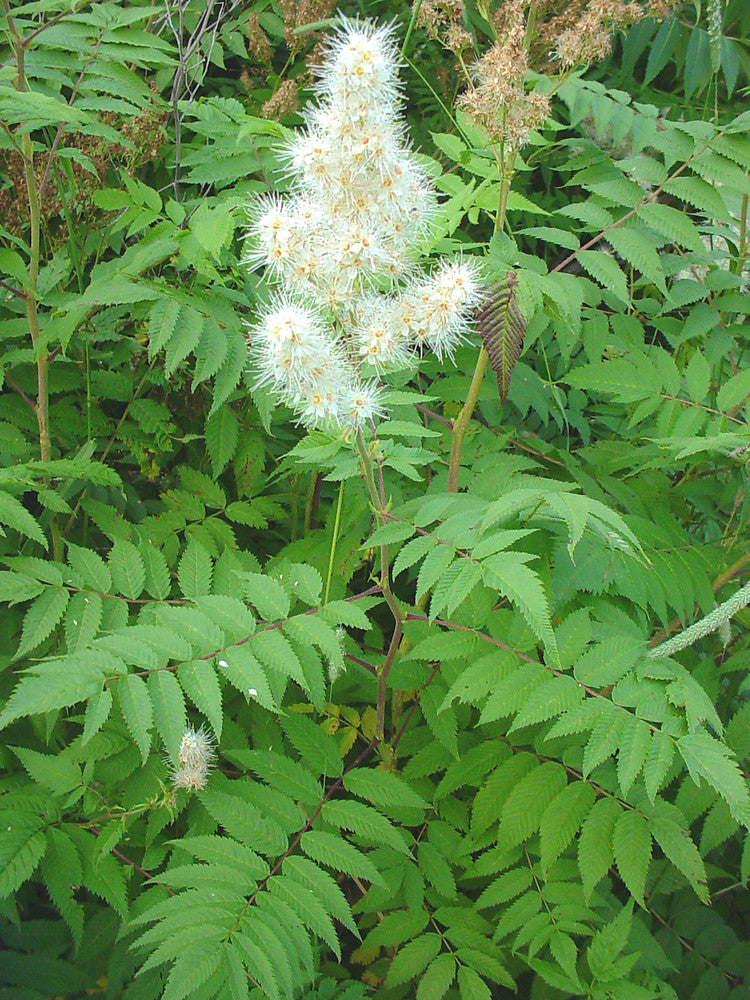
{"type": "Point", "coordinates": [195, 756]}
{"type": "Point", "coordinates": [342, 246]}
{"type": "Point", "coordinates": [499, 102]}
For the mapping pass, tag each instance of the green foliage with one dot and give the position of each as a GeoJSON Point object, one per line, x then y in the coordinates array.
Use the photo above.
{"type": "Point", "coordinates": [553, 808]}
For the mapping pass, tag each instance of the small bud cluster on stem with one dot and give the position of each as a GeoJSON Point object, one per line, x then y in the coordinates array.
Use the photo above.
{"type": "Point", "coordinates": [194, 759]}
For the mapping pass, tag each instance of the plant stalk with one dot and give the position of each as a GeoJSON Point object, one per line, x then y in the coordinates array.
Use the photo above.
{"type": "Point", "coordinates": [712, 622]}
{"type": "Point", "coordinates": [742, 249]}
{"type": "Point", "coordinates": [334, 540]}
{"type": "Point", "coordinates": [385, 584]}
{"type": "Point", "coordinates": [461, 423]}
{"type": "Point", "coordinates": [30, 298]}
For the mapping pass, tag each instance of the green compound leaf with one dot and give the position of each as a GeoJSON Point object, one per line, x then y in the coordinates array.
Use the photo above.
{"type": "Point", "coordinates": [412, 958]}
{"type": "Point", "coordinates": [438, 977]}
{"type": "Point", "coordinates": [194, 571]}
{"type": "Point", "coordinates": [22, 844]}
{"type": "Point", "coordinates": [383, 789]}
{"type": "Point", "coordinates": [13, 514]}
{"type": "Point", "coordinates": [710, 759]}
{"type": "Point", "coordinates": [596, 850]}
{"type": "Point", "coordinates": [222, 437]}
{"type": "Point", "coordinates": [668, 828]}
{"type": "Point", "coordinates": [90, 567]}
{"type": "Point", "coordinates": [508, 573]}
{"type": "Point", "coordinates": [605, 269]}
{"type": "Point", "coordinates": [527, 802]}
{"type": "Point", "coordinates": [562, 819]}
{"type": "Point", "coordinates": [199, 682]}
{"type": "Point", "coordinates": [658, 761]}
{"type": "Point", "coordinates": [41, 618]}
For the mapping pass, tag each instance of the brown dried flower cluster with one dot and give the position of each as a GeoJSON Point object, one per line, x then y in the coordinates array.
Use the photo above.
{"type": "Point", "coordinates": [298, 13]}
{"type": "Point", "coordinates": [660, 10]}
{"type": "Point", "coordinates": [543, 34]}
{"type": "Point", "coordinates": [144, 132]}
{"type": "Point", "coordinates": [498, 101]}
{"type": "Point", "coordinates": [283, 102]}
{"type": "Point", "coordinates": [443, 20]}
{"type": "Point", "coordinates": [589, 39]}
{"type": "Point", "coordinates": [580, 31]}
{"type": "Point", "coordinates": [257, 42]}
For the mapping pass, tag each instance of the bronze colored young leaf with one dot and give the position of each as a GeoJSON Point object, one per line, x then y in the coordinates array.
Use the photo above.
{"type": "Point", "coordinates": [502, 328]}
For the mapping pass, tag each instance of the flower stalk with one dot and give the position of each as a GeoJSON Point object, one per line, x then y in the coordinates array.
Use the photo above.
{"type": "Point", "coordinates": [461, 423]}
{"type": "Point", "coordinates": [30, 293]}
{"type": "Point", "coordinates": [378, 505]}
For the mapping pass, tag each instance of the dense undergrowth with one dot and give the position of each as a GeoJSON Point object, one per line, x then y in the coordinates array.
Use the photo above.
{"type": "Point", "coordinates": [457, 739]}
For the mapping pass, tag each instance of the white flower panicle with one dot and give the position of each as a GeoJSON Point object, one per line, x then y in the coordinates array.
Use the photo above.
{"type": "Point", "coordinates": [343, 246]}
{"type": "Point", "coordinates": [195, 758]}
{"type": "Point", "coordinates": [441, 305]}
{"type": "Point", "coordinates": [308, 367]}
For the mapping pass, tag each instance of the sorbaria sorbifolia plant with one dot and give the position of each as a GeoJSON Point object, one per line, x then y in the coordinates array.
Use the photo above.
{"type": "Point", "coordinates": [371, 694]}
{"type": "Point", "coordinates": [343, 246]}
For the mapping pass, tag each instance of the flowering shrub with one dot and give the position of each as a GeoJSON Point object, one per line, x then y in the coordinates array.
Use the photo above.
{"type": "Point", "coordinates": [329, 668]}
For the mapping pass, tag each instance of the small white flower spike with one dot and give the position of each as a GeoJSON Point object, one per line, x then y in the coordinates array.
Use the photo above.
{"type": "Point", "coordinates": [195, 759]}
{"type": "Point", "coordinates": [442, 305]}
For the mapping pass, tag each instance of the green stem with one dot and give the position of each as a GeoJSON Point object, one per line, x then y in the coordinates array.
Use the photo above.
{"type": "Point", "coordinates": [27, 152]}
{"type": "Point", "coordinates": [309, 497]}
{"type": "Point", "coordinates": [365, 459]}
{"type": "Point", "coordinates": [530, 29]}
{"type": "Point", "coordinates": [293, 507]}
{"type": "Point", "coordinates": [461, 423]}
{"type": "Point", "coordinates": [742, 249]}
{"type": "Point", "coordinates": [30, 299]}
{"type": "Point", "coordinates": [502, 205]}
{"type": "Point", "coordinates": [412, 22]}
{"type": "Point", "coordinates": [463, 419]}
{"type": "Point", "coordinates": [333, 542]}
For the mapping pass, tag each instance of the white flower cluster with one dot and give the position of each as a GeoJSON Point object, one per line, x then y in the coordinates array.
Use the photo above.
{"type": "Point", "coordinates": [195, 757]}
{"type": "Point", "coordinates": [341, 247]}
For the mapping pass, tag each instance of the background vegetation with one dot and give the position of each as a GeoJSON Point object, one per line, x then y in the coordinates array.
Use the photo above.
{"type": "Point", "coordinates": [551, 807]}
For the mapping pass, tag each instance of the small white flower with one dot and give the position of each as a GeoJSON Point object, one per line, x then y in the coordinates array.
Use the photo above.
{"type": "Point", "coordinates": [289, 342]}
{"type": "Point", "coordinates": [362, 403]}
{"type": "Point", "coordinates": [361, 61]}
{"type": "Point", "coordinates": [381, 341]}
{"type": "Point", "coordinates": [319, 404]}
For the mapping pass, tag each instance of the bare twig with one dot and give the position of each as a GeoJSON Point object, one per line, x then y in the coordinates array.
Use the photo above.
{"type": "Point", "coordinates": [14, 385]}
{"type": "Point", "coordinates": [193, 59]}
{"type": "Point", "coordinates": [13, 289]}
